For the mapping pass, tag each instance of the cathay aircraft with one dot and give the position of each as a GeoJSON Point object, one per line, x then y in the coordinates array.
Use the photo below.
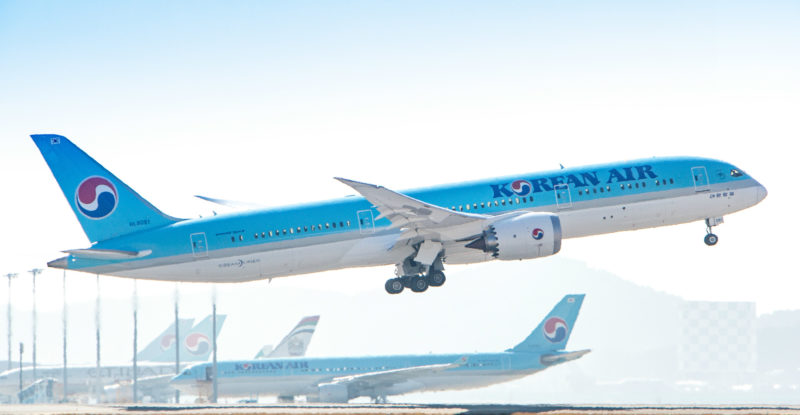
{"type": "Point", "coordinates": [509, 218]}
{"type": "Point", "coordinates": [345, 378]}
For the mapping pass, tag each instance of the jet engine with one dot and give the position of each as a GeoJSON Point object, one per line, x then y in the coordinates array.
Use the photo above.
{"type": "Point", "coordinates": [527, 236]}
{"type": "Point", "coordinates": [333, 393]}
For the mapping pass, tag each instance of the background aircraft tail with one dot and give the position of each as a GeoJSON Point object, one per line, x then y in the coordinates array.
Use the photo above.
{"type": "Point", "coordinates": [196, 345]}
{"type": "Point", "coordinates": [554, 331]}
{"type": "Point", "coordinates": [104, 205]}
{"type": "Point", "coordinates": [296, 342]}
{"type": "Point", "coordinates": [162, 348]}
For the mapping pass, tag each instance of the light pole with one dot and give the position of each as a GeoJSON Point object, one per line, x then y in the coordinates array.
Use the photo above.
{"type": "Point", "coordinates": [64, 325]}
{"type": "Point", "coordinates": [135, 335]}
{"type": "Point", "coordinates": [177, 345]}
{"type": "Point", "coordinates": [34, 272]}
{"type": "Point", "coordinates": [98, 389]}
{"type": "Point", "coordinates": [214, 340]}
{"type": "Point", "coordinates": [10, 277]}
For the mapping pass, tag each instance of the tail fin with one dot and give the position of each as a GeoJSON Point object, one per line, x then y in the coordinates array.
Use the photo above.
{"type": "Point", "coordinates": [162, 348]}
{"type": "Point", "coordinates": [296, 342]}
{"type": "Point", "coordinates": [554, 331]}
{"type": "Point", "coordinates": [105, 206]}
{"type": "Point", "coordinates": [196, 345]}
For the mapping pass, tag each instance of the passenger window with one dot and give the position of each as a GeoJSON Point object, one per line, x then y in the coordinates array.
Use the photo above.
{"type": "Point", "coordinates": [313, 228]}
{"type": "Point", "coordinates": [255, 236]}
{"type": "Point", "coordinates": [467, 207]}
{"type": "Point", "coordinates": [671, 181]}
{"type": "Point", "coordinates": [594, 190]}
{"type": "Point", "coordinates": [270, 234]}
{"type": "Point", "coordinates": [334, 225]}
{"type": "Point", "coordinates": [233, 239]}
{"type": "Point", "coordinates": [263, 234]}
{"type": "Point", "coordinates": [496, 203]}
{"type": "Point", "coordinates": [482, 205]}
{"type": "Point", "coordinates": [637, 185]}
{"type": "Point", "coordinates": [517, 200]}
{"type": "Point", "coordinates": [241, 237]}
{"type": "Point", "coordinates": [644, 184]}
{"type": "Point", "coordinates": [291, 230]}
{"type": "Point", "coordinates": [327, 225]}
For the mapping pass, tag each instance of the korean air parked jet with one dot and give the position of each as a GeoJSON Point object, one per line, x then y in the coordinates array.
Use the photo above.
{"type": "Point", "coordinates": [345, 378]}
{"type": "Point", "coordinates": [295, 343]}
{"type": "Point", "coordinates": [508, 218]}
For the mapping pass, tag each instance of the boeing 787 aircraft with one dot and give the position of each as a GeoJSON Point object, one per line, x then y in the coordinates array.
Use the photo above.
{"type": "Point", "coordinates": [509, 218]}
{"type": "Point", "coordinates": [344, 378]}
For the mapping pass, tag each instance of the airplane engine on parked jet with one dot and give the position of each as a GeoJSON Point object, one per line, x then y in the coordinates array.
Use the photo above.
{"type": "Point", "coordinates": [527, 236]}
{"type": "Point", "coordinates": [333, 393]}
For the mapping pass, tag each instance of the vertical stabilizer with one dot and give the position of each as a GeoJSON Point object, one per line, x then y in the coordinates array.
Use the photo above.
{"type": "Point", "coordinates": [196, 345]}
{"type": "Point", "coordinates": [104, 205]}
{"type": "Point", "coordinates": [162, 348]}
{"type": "Point", "coordinates": [554, 331]}
{"type": "Point", "coordinates": [296, 342]}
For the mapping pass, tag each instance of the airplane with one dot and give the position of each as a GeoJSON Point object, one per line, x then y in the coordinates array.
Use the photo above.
{"type": "Point", "coordinates": [339, 379]}
{"type": "Point", "coordinates": [518, 217]}
{"type": "Point", "coordinates": [195, 343]}
{"type": "Point", "coordinates": [162, 348]}
{"type": "Point", "coordinates": [295, 343]}
{"type": "Point", "coordinates": [153, 375]}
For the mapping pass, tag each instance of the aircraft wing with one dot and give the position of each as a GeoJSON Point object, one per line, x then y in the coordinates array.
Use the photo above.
{"type": "Point", "coordinates": [418, 218]}
{"type": "Point", "coordinates": [386, 378]}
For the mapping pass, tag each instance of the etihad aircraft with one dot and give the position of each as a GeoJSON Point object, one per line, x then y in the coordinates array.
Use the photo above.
{"type": "Point", "coordinates": [509, 218]}
{"type": "Point", "coordinates": [340, 379]}
{"type": "Point", "coordinates": [295, 343]}
{"type": "Point", "coordinates": [153, 376]}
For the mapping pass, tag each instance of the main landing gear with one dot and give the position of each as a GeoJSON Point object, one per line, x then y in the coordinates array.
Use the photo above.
{"type": "Point", "coordinates": [416, 276]}
{"type": "Point", "coordinates": [711, 239]}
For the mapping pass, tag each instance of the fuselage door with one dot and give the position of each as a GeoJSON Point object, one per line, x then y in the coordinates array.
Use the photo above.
{"type": "Point", "coordinates": [563, 196]}
{"type": "Point", "coordinates": [365, 223]}
{"type": "Point", "coordinates": [199, 246]}
{"type": "Point", "coordinates": [700, 178]}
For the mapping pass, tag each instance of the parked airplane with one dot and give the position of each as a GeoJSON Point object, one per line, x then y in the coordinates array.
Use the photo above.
{"type": "Point", "coordinates": [344, 378]}
{"type": "Point", "coordinates": [85, 379]}
{"type": "Point", "coordinates": [195, 344]}
{"type": "Point", "coordinates": [162, 348]}
{"type": "Point", "coordinates": [295, 343]}
{"type": "Point", "coordinates": [509, 218]}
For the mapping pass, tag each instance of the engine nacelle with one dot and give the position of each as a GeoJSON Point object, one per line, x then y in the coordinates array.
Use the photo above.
{"type": "Point", "coordinates": [527, 236]}
{"type": "Point", "coordinates": [333, 393]}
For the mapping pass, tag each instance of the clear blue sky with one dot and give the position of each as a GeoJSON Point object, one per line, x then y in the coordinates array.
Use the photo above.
{"type": "Point", "coordinates": [267, 101]}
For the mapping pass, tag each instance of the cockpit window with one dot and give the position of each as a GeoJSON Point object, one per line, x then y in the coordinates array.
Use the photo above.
{"type": "Point", "coordinates": [736, 173]}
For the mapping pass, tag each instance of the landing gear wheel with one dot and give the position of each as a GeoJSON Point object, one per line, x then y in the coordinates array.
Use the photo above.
{"type": "Point", "coordinates": [418, 284]}
{"type": "Point", "coordinates": [436, 278]}
{"type": "Point", "coordinates": [711, 239]}
{"type": "Point", "coordinates": [394, 286]}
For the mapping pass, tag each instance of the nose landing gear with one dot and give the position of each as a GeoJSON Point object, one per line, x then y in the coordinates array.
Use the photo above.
{"type": "Point", "coordinates": [711, 239]}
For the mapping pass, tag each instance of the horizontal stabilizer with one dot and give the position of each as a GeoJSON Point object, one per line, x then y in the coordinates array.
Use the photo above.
{"type": "Point", "coordinates": [557, 358]}
{"type": "Point", "coordinates": [107, 254]}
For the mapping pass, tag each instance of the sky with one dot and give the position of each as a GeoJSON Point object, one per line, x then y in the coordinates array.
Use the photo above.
{"type": "Point", "coordinates": [267, 101]}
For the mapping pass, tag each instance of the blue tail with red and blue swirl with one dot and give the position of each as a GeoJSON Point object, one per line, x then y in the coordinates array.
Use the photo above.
{"type": "Point", "coordinates": [553, 332]}
{"type": "Point", "coordinates": [105, 206]}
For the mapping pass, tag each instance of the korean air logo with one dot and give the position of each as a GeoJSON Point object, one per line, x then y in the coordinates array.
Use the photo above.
{"type": "Point", "coordinates": [537, 234]}
{"type": "Point", "coordinates": [521, 187]}
{"type": "Point", "coordinates": [197, 343]}
{"type": "Point", "coordinates": [246, 366]}
{"type": "Point", "coordinates": [96, 197]}
{"type": "Point", "coordinates": [555, 329]}
{"type": "Point", "coordinates": [167, 341]}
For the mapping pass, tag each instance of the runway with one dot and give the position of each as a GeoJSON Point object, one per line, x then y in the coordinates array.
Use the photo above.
{"type": "Point", "coordinates": [439, 409]}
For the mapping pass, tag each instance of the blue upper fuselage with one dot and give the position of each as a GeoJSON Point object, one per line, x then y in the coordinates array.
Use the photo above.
{"type": "Point", "coordinates": [283, 226]}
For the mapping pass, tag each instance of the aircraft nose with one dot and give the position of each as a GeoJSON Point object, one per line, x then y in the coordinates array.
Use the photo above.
{"type": "Point", "coordinates": [761, 193]}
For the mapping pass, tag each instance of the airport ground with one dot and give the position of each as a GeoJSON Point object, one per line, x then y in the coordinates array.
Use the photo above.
{"type": "Point", "coordinates": [366, 409]}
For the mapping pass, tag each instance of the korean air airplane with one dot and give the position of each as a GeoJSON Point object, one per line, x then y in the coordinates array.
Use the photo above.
{"type": "Point", "coordinates": [509, 218]}
{"type": "Point", "coordinates": [345, 378]}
